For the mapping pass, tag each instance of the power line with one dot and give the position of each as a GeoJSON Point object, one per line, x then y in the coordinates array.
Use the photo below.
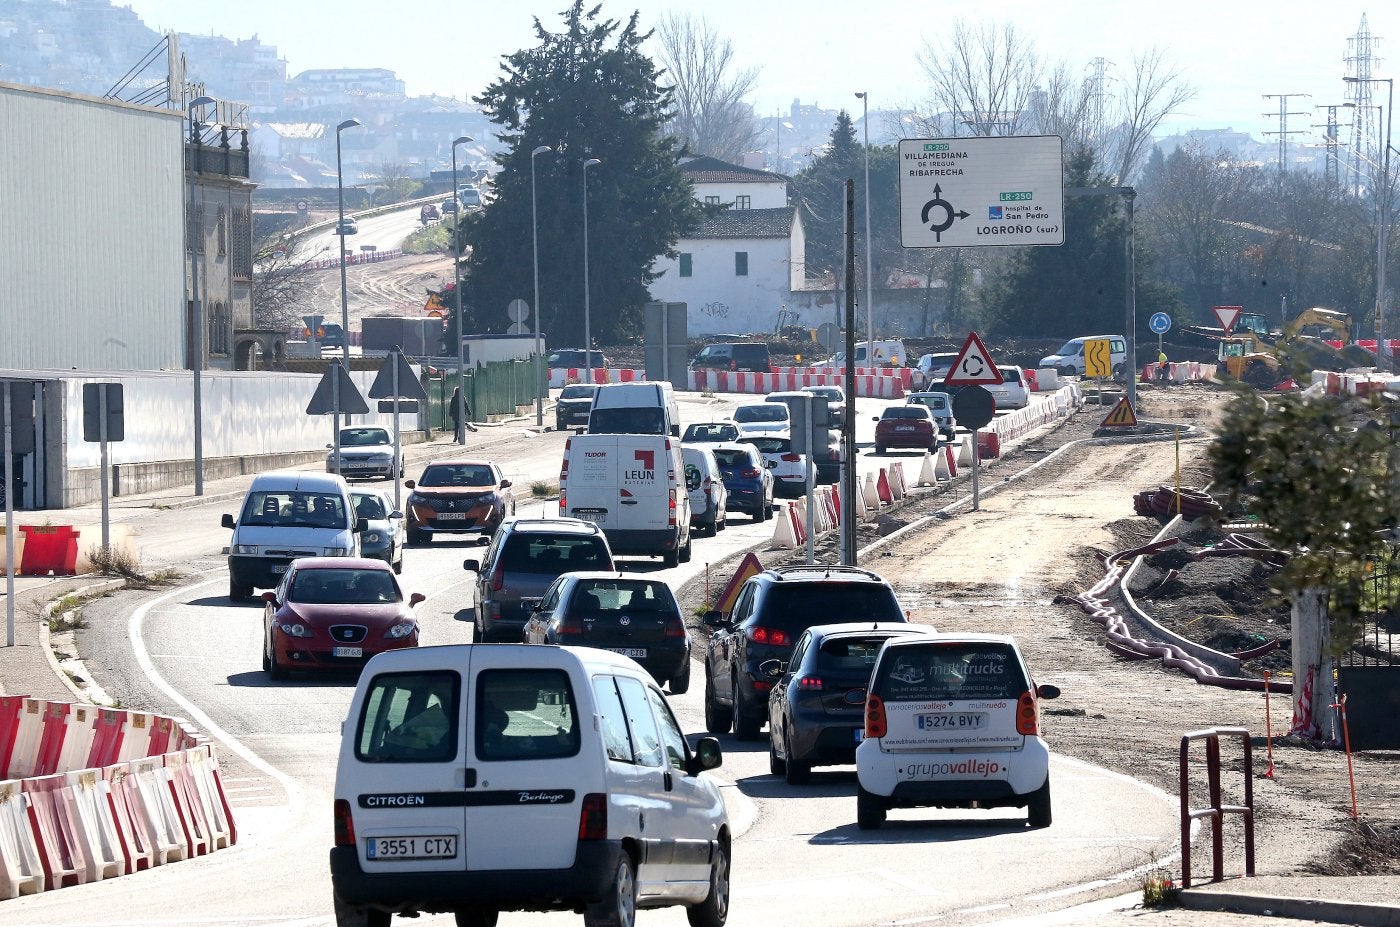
{"type": "Point", "coordinates": [1283, 130]}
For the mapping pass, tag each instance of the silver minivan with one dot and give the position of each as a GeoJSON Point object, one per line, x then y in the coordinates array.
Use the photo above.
{"type": "Point", "coordinates": [480, 778]}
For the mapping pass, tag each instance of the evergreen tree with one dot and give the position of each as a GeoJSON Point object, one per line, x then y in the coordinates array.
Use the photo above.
{"type": "Point", "coordinates": [585, 92]}
{"type": "Point", "coordinates": [822, 195]}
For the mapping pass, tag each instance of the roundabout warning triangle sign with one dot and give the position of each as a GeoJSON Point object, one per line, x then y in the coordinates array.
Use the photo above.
{"type": "Point", "coordinates": [973, 365]}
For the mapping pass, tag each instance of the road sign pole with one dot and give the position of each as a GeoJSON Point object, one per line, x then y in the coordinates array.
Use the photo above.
{"type": "Point", "coordinates": [335, 426]}
{"type": "Point", "coordinates": [102, 434]}
{"type": "Point", "coordinates": [976, 458]}
{"type": "Point", "coordinates": [398, 450]}
{"type": "Point", "coordinates": [848, 436]}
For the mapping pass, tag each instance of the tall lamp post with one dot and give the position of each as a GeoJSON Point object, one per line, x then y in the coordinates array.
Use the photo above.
{"type": "Point", "coordinates": [869, 283]}
{"type": "Point", "coordinates": [535, 241]}
{"type": "Point", "coordinates": [195, 231]}
{"type": "Point", "coordinates": [340, 233]}
{"type": "Point", "coordinates": [457, 292]}
{"type": "Point", "coordinates": [1383, 211]}
{"type": "Point", "coordinates": [587, 329]}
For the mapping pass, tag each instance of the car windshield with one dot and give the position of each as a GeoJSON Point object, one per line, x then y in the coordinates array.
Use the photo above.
{"type": "Point", "coordinates": [343, 586]}
{"type": "Point", "coordinates": [951, 671]}
{"type": "Point", "coordinates": [729, 458]}
{"type": "Point", "coordinates": [769, 445]}
{"type": "Point", "coordinates": [637, 420]}
{"type": "Point", "coordinates": [710, 431]}
{"type": "Point", "coordinates": [794, 607]}
{"type": "Point", "coordinates": [634, 595]}
{"type": "Point", "coordinates": [1070, 348]}
{"type": "Point", "coordinates": [458, 475]}
{"type": "Point", "coordinates": [369, 505]}
{"type": "Point", "coordinates": [578, 391]}
{"type": "Point", "coordinates": [762, 412]}
{"type": "Point", "coordinates": [554, 555]}
{"type": "Point", "coordinates": [1010, 374]}
{"type": "Point", "coordinates": [918, 412]}
{"type": "Point", "coordinates": [831, 393]}
{"type": "Point", "coordinates": [293, 507]}
{"type": "Point", "coordinates": [363, 437]}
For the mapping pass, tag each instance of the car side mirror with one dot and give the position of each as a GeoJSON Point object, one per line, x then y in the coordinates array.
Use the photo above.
{"type": "Point", "coordinates": [714, 619]}
{"type": "Point", "coordinates": [1047, 691]}
{"type": "Point", "coordinates": [472, 566]}
{"type": "Point", "coordinates": [270, 597]}
{"type": "Point", "coordinates": [396, 514]}
{"type": "Point", "coordinates": [705, 755]}
{"type": "Point", "coordinates": [227, 520]}
{"type": "Point", "coordinates": [330, 447]}
{"type": "Point", "coordinates": [774, 668]}
{"type": "Point", "coordinates": [361, 525]}
{"type": "Point", "coordinates": [409, 484]}
{"type": "Point", "coordinates": [505, 484]}
{"type": "Point", "coordinates": [874, 418]}
{"type": "Point", "coordinates": [416, 598]}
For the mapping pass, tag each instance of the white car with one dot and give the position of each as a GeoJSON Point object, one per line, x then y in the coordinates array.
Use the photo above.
{"type": "Point", "coordinates": [789, 468]}
{"type": "Point", "coordinates": [481, 778]}
{"type": "Point", "coordinates": [931, 369]}
{"type": "Point", "coordinates": [762, 417]}
{"type": "Point", "coordinates": [366, 452]}
{"type": "Point", "coordinates": [1011, 393]}
{"type": "Point", "coordinates": [940, 405]}
{"type": "Point", "coordinates": [952, 721]}
{"type": "Point", "coordinates": [704, 483]}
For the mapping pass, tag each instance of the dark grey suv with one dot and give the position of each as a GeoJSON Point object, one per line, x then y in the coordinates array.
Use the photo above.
{"type": "Point", "coordinates": [525, 556]}
{"type": "Point", "coordinates": [770, 614]}
{"type": "Point", "coordinates": [744, 355]}
{"type": "Point", "coordinates": [572, 408]}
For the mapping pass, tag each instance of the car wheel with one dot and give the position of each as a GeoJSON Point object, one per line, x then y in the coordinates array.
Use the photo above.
{"type": "Point", "coordinates": [348, 915]}
{"type": "Point", "coordinates": [397, 565]}
{"type": "Point", "coordinates": [685, 551]}
{"type": "Point", "coordinates": [680, 683]}
{"type": "Point", "coordinates": [777, 766]}
{"type": "Point", "coordinates": [745, 728]}
{"type": "Point", "coordinates": [238, 592]}
{"type": "Point", "coordinates": [767, 510]}
{"type": "Point", "coordinates": [1038, 810]}
{"type": "Point", "coordinates": [1068, 372]}
{"type": "Point", "coordinates": [274, 669]}
{"type": "Point", "coordinates": [722, 523]}
{"type": "Point", "coordinates": [476, 917]}
{"type": "Point", "coordinates": [798, 772]}
{"type": "Point", "coordinates": [870, 810]}
{"type": "Point", "coordinates": [619, 908]}
{"type": "Point", "coordinates": [266, 660]}
{"type": "Point", "coordinates": [714, 910]}
{"type": "Point", "coordinates": [718, 717]}
{"type": "Point", "coordinates": [671, 558]}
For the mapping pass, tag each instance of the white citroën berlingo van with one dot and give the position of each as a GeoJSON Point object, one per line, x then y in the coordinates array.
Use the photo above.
{"type": "Point", "coordinates": [480, 778]}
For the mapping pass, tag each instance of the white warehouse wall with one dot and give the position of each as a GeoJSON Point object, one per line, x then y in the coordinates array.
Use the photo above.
{"type": "Point", "coordinates": [91, 233]}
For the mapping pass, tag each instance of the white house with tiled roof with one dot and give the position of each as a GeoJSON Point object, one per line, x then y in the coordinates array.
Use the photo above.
{"type": "Point", "coordinates": [736, 271]}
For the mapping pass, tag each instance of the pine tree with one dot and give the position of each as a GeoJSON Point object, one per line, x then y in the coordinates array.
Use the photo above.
{"type": "Point", "coordinates": [820, 191]}
{"type": "Point", "coordinates": [588, 91]}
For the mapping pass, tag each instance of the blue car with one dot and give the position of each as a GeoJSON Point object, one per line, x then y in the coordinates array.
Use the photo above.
{"type": "Point", "coordinates": [747, 478]}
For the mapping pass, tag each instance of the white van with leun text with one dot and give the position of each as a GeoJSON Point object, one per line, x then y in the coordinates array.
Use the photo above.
{"type": "Point", "coordinates": [480, 778]}
{"type": "Point", "coordinates": [632, 487]}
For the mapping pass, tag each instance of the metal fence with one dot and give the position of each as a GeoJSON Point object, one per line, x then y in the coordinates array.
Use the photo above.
{"type": "Point", "coordinates": [1381, 601]}
{"type": "Point", "coordinates": [496, 388]}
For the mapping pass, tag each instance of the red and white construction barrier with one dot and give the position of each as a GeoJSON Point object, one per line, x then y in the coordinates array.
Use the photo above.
{"type": "Point", "coordinates": [91, 793]}
{"type": "Point", "coordinates": [742, 381]}
{"type": "Point", "coordinates": [1363, 383]}
{"type": "Point", "coordinates": [561, 376]}
{"type": "Point", "coordinates": [1190, 372]}
{"type": "Point", "coordinates": [364, 257]}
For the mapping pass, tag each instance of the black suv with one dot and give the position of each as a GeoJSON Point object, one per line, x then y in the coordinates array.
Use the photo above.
{"type": "Point", "coordinates": [746, 355]}
{"type": "Point", "coordinates": [770, 614]}
{"type": "Point", "coordinates": [525, 556]}
{"type": "Point", "coordinates": [575, 359]}
{"type": "Point", "coordinates": [573, 406]}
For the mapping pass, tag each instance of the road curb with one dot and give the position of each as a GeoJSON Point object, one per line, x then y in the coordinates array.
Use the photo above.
{"type": "Point", "coordinates": [1363, 914]}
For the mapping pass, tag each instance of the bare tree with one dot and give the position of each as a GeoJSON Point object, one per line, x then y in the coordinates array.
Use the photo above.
{"type": "Point", "coordinates": [395, 183]}
{"type": "Point", "coordinates": [283, 278]}
{"type": "Point", "coordinates": [709, 110]}
{"type": "Point", "coordinates": [982, 80]}
{"type": "Point", "coordinates": [1152, 92]}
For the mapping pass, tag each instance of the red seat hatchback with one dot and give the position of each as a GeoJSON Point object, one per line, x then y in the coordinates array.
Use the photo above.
{"type": "Point", "coordinates": [334, 613]}
{"type": "Point", "coordinates": [906, 426]}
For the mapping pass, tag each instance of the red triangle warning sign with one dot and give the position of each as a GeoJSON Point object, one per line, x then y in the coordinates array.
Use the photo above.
{"type": "Point", "coordinates": [973, 365]}
{"type": "Point", "coordinates": [1121, 416]}
{"type": "Point", "coordinates": [1228, 316]}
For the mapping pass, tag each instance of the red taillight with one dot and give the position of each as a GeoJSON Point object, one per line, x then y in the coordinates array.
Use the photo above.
{"type": "Point", "coordinates": [810, 683]}
{"type": "Point", "coordinates": [773, 636]}
{"type": "Point", "coordinates": [569, 627]}
{"type": "Point", "coordinates": [749, 473]}
{"type": "Point", "coordinates": [593, 817]}
{"type": "Point", "coordinates": [675, 629]}
{"type": "Point", "coordinates": [498, 578]}
{"type": "Point", "coordinates": [671, 509]}
{"type": "Point", "coordinates": [1027, 715]}
{"type": "Point", "coordinates": [563, 505]}
{"type": "Point", "coordinates": [344, 824]}
{"type": "Point", "coordinates": [790, 458]}
{"type": "Point", "coordinates": [761, 686]}
{"type": "Point", "coordinates": [874, 717]}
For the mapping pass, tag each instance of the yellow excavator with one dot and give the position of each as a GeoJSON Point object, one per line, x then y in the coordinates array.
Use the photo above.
{"type": "Point", "coordinates": [1254, 358]}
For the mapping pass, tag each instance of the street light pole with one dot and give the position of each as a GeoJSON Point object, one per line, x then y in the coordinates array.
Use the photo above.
{"type": "Point", "coordinates": [457, 292]}
{"type": "Point", "coordinates": [535, 243]}
{"type": "Point", "coordinates": [340, 233]}
{"type": "Point", "coordinates": [869, 283]}
{"type": "Point", "coordinates": [195, 231]}
{"type": "Point", "coordinates": [587, 328]}
{"type": "Point", "coordinates": [1382, 215]}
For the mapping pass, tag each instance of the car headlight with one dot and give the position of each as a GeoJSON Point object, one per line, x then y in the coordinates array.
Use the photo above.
{"type": "Point", "coordinates": [244, 549]}
{"type": "Point", "coordinates": [337, 552]}
{"type": "Point", "coordinates": [489, 498]}
{"type": "Point", "coordinates": [372, 537]}
{"type": "Point", "coordinates": [415, 499]}
{"type": "Point", "coordinates": [401, 630]}
{"type": "Point", "coordinates": [295, 629]}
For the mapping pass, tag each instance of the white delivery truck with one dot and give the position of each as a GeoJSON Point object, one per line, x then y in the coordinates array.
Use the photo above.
{"type": "Point", "coordinates": [644, 407]}
{"type": "Point", "coordinates": [631, 486]}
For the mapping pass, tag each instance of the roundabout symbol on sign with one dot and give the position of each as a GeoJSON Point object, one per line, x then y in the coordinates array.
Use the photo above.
{"type": "Point", "coordinates": [1160, 323]}
{"type": "Point", "coordinates": [945, 223]}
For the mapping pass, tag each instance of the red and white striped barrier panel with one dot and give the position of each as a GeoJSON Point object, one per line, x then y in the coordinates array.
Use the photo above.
{"type": "Point", "coordinates": [562, 376]}
{"type": "Point", "coordinates": [741, 381]}
{"type": "Point", "coordinates": [363, 257]}
{"type": "Point", "coordinates": [903, 374]}
{"type": "Point", "coordinates": [1188, 372]}
{"type": "Point", "coordinates": [74, 808]}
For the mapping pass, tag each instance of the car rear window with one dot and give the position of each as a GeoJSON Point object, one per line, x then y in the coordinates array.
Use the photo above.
{"type": "Point", "coordinates": [849, 656]}
{"type": "Point", "coordinates": [939, 401]}
{"type": "Point", "coordinates": [906, 412]}
{"type": "Point", "coordinates": [638, 420]}
{"type": "Point", "coordinates": [950, 672]}
{"type": "Point", "coordinates": [578, 391]}
{"type": "Point", "coordinates": [795, 607]}
{"type": "Point", "coordinates": [525, 714]}
{"type": "Point", "coordinates": [770, 445]}
{"type": "Point", "coordinates": [1010, 376]}
{"type": "Point", "coordinates": [765, 412]}
{"type": "Point", "coordinates": [368, 505]}
{"type": "Point", "coordinates": [722, 431]}
{"type": "Point", "coordinates": [733, 458]}
{"type": "Point", "coordinates": [553, 554]}
{"type": "Point", "coordinates": [409, 718]}
{"type": "Point", "coordinates": [633, 595]}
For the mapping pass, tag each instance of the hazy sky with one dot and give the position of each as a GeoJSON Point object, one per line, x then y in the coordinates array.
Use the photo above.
{"type": "Point", "coordinates": [1232, 51]}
